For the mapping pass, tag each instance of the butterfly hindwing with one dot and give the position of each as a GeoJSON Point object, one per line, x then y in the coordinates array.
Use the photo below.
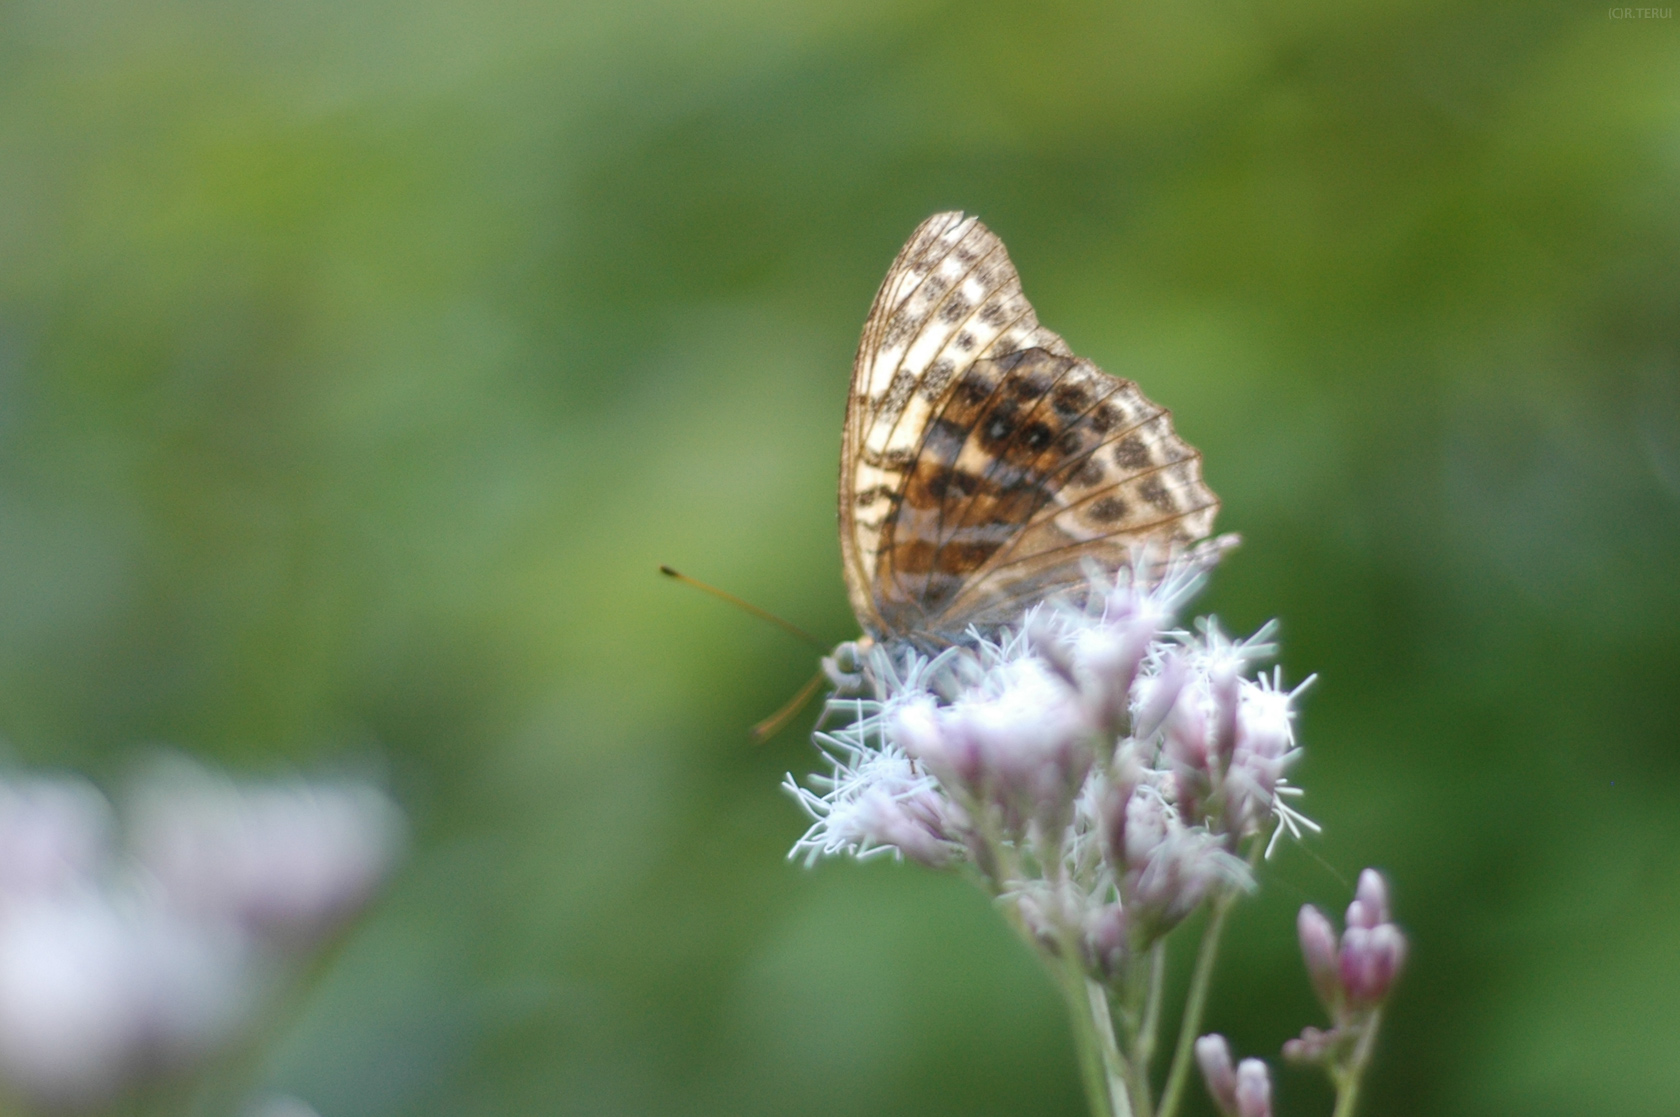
{"type": "Point", "coordinates": [984, 464]}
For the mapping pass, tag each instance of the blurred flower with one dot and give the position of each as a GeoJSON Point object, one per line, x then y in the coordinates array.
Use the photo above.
{"type": "Point", "coordinates": [1243, 1091]}
{"type": "Point", "coordinates": [1254, 1089]}
{"type": "Point", "coordinates": [53, 835]}
{"type": "Point", "coordinates": [1213, 1055]}
{"type": "Point", "coordinates": [72, 997]}
{"type": "Point", "coordinates": [286, 859]}
{"type": "Point", "coordinates": [114, 962]}
{"type": "Point", "coordinates": [1318, 949]}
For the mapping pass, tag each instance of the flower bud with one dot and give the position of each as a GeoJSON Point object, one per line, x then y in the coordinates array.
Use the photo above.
{"type": "Point", "coordinates": [1318, 950]}
{"type": "Point", "coordinates": [1213, 1055]}
{"type": "Point", "coordinates": [1254, 1089]}
{"type": "Point", "coordinates": [1372, 897]}
{"type": "Point", "coordinates": [1105, 939]}
{"type": "Point", "coordinates": [1370, 961]}
{"type": "Point", "coordinates": [882, 820]}
{"type": "Point", "coordinates": [1146, 828]}
{"type": "Point", "coordinates": [1106, 662]}
{"type": "Point", "coordinates": [1225, 685]}
{"type": "Point", "coordinates": [1183, 871]}
{"type": "Point", "coordinates": [1039, 924]}
{"type": "Point", "coordinates": [1159, 696]}
{"type": "Point", "coordinates": [1186, 730]}
{"type": "Point", "coordinates": [924, 731]}
{"type": "Point", "coordinates": [1311, 1046]}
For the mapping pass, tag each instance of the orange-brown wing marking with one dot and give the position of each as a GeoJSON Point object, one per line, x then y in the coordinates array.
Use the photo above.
{"type": "Point", "coordinates": [1116, 476]}
{"type": "Point", "coordinates": [976, 482]}
{"type": "Point", "coordinates": [1036, 464]}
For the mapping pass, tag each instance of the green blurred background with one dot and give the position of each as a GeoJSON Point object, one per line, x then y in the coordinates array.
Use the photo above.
{"type": "Point", "coordinates": [359, 361]}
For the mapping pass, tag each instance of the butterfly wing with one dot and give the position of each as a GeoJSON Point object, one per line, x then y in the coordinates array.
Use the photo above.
{"type": "Point", "coordinates": [950, 298]}
{"type": "Point", "coordinates": [984, 465]}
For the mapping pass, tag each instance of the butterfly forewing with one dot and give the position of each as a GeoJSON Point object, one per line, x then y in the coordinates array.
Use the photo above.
{"type": "Point", "coordinates": [983, 464]}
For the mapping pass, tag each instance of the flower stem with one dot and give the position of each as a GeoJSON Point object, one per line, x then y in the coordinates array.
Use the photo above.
{"type": "Point", "coordinates": [1100, 1091]}
{"type": "Point", "coordinates": [1194, 1003]}
{"type": "Point", "coordinates": [1347, 1083]}
{"type": "Point", "coordinates": [1124, 1082]}
{"type": "Point", "coordinates": [1145, 1051]}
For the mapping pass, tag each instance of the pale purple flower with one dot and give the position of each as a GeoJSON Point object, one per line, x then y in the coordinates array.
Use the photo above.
{"type": "Point", "coordinates": [72, 997]}
{"type": "Point", "coordinates": [284, 858]}
{"type": "Point", "coordinates": [1020, 730]}
{"type": "Point", "coordinates": [1104, 774]}
{"type": "Point", "coordinates": [54, 833]}
{"type": "Point", "coordinates": [115, 962]}
{"type": "Point", "coordinates": [1100, 768]}
{"type": "Point", "coordinates": [874, 801]}
{"type": "Point", "coordinates": [1182, 871]}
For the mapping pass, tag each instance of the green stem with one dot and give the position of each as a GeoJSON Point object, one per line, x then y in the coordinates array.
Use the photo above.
{"type": "Point", "coordinates": [1145, 1052]}
{"type": "Point", "coordinates": [1087, 1040]}
{"type": "Point", "coordinates": [1184, 1053]}
{"type": "Point", "coordinates": [1123, 1081]}
{"type": "Point", "coordinates": [1347, 1083]}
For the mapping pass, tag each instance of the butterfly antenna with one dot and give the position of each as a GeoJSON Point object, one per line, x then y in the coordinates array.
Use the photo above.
{"type": "Point", "coordinates": [763, 614]}
{"type": "Point", "coordinates": [778, 721]}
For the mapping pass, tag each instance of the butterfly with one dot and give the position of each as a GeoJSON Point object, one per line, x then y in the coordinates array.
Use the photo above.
{"type": "Point", "coordinates": [984, 466]}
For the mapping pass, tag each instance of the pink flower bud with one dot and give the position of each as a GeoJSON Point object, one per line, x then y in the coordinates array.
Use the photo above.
{"type": "Point", "coordinates": [1227, 697]}
{"type": "Point", "coordinates": [1115, 805]}
{"type": "Point", "coordinates": [1187, 733]}
{"type": "Point", "coordinates": [1310, 1047]}
{"type": "Point", "coordinates": [1146, 828]}
{"type": "Point", "coordinates": [1372, 897]}
{"type": "Point", "coordinates": [1318, 950]}
{"type": "Point", "coordinates": [1370, 961]}
{"type": "Point", "coordinates": [1160, 696]}
{"type": "Point", "coordinates": [1105, 939]}
{"type": "Point", "coordinates": [1213, 1055]}
{"type": "Point", "coordinates": [1254, 1089]}
{"type": "Point", "coordinates": [904, 825]}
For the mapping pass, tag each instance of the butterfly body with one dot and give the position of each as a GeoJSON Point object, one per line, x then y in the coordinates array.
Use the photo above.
{"type": "Point", "coordinates": [984, 466]}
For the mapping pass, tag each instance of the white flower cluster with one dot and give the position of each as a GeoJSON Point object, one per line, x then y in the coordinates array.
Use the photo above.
{"type": "Point", "coordinates": [114, 962]}
{"type": "Point", "coordinates": [1101, 768]}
